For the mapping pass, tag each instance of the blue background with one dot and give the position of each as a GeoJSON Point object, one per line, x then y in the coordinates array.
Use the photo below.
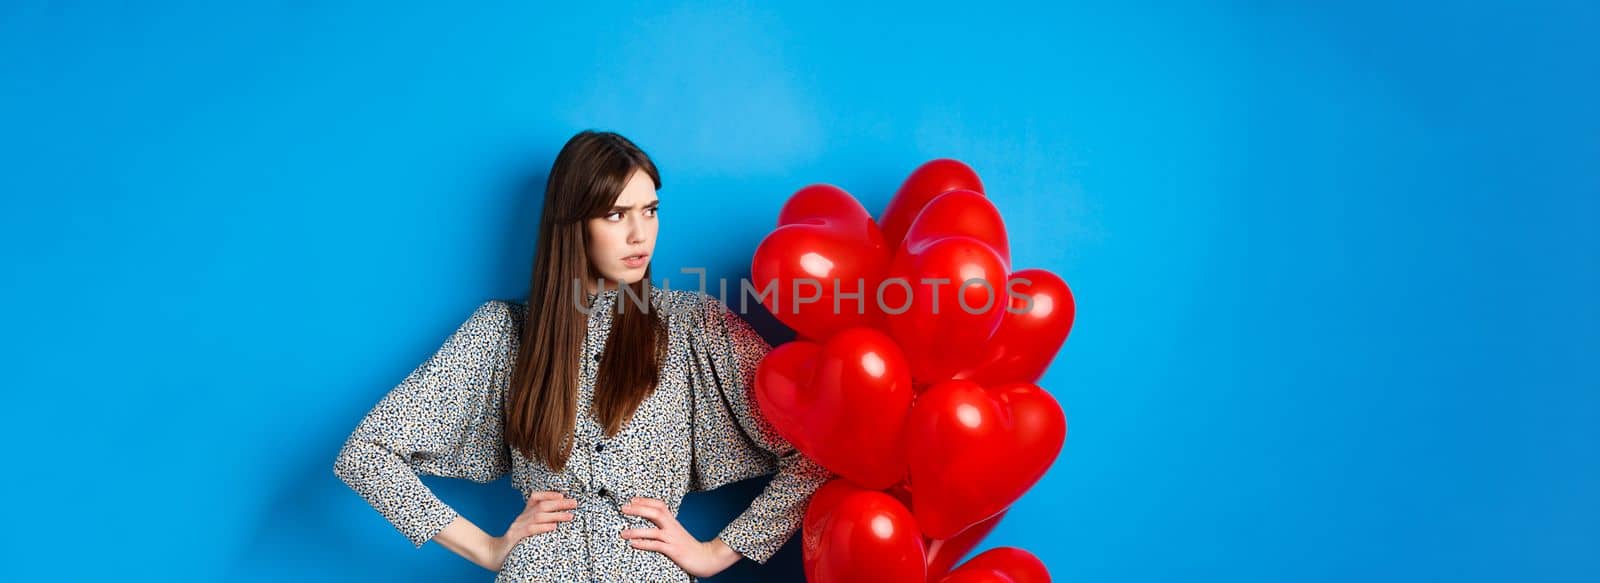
{"type": "Point", "coordinates": [1336, 266]}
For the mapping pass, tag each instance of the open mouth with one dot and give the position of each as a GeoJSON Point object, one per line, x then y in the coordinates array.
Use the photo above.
{"type": "Point", "coordinates": [636, 260]}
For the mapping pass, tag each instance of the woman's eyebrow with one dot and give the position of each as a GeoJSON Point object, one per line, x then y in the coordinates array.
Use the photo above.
{"type": "Point", "coordinates": [620, 208]}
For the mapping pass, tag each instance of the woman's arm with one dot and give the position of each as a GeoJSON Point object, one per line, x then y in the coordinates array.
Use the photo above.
{"type": "Point", "coordinates": [723, 554]}
{"type": "Point", "coordinates": [442, 420]}
{"type": "Point", "coordinates": [464, 538]}
{"type": "Point", "coordinates": [541, 515]}
{"type": "Point", "coordinates": [776, 513]}
{"type": "Point", "coordinates": [733, 441]}
{"type": "Point", "coordinates": [670, 538]}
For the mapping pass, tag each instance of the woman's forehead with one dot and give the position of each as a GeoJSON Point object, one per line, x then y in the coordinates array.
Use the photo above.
{"type": "Point", "coordinates": [639, 191]}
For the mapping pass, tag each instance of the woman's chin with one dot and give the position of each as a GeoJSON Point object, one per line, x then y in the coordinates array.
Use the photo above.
{"type": "Point", "coordinates": [630, 276]}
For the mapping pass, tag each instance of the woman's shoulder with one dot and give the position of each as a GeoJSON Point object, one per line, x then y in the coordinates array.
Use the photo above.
{"type": "Point", "coordinates": [682, 297]}
{"type": "Point", "coordinates": [500, 309]}
{"type": "Point", "coordinates": [498, 316]}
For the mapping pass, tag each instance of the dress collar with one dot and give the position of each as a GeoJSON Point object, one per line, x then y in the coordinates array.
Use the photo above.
{"type": "Point", "coordinates": [607, 297]}
{"type": "Point", "coordinates": [590, 297]}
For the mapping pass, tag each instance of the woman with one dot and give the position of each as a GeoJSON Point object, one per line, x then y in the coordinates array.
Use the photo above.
{"type": "Point", "coordinates": [607, 400]}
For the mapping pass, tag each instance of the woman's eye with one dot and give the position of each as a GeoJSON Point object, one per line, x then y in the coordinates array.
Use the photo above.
{"type": "Point", "coordinates": [614, 217]}
{"type": "Point", "coordinates": [650, 212]}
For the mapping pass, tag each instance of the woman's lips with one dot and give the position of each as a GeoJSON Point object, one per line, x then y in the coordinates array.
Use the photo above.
{"type": "Point", "coordinates": [635, 260]}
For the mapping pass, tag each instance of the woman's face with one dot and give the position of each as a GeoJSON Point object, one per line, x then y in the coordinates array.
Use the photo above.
{"type": "Point", "coordinates": [620, 243]}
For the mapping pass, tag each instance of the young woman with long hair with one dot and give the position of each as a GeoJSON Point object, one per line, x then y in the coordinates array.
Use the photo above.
{"type": "Point", "coordinates": [606, 398]}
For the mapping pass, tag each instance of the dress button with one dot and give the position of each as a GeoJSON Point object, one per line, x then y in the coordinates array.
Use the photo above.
{"type": "Point", "coordinates": [597, 356]}
{"type": "Point", "coordinates": [605, 492]}
{"type": "Point", "coordinates": [599, 447]}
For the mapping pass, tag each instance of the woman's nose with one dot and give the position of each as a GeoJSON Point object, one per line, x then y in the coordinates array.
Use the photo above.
{"type": "Point", "coordinates": [635, 230]}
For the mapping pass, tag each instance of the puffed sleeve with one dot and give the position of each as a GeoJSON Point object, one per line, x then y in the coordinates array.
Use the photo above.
{"type": "Point", "coordinates": [733, 441]}
{"type": "Point", "coordinates": [442, 420]}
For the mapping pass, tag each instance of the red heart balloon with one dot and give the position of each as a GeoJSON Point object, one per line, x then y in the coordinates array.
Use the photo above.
{"type": "Point", "coordinates": [843, 404]}
{"type": "Point", "coordinates": [826, 203]}
{"type": "Point", "coordinates": [945, 553]}
{"type": "Point", "coordinates": [1001, 565]}
{"type": "Point", "coordinates": [972, 451]}
{"type": "Point", "coordinates": [784, 373]}
{"type": "Point", "coordinates": [851, 534]}
{"type": "Point", "coordinates": [962, 213]}
{"type": "Point", "coordinates": [942, 327]}
{"type": "Point", "coordinates": [825, 241]}
{"type": "Point", "coordinates": [929, 180]}
{"type": "Point", "coordinates": [1029, 336]}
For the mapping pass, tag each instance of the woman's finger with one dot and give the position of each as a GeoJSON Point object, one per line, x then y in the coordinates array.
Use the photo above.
{"type": "Point", "coordinates": [556, 505]}
{"type": "Point", "coordinates": [655, 505]}
{"type": "Point", "coordinates": [648, 545]}
{"type": "Point", "coordinates": [661, 519]}
{"type": "Point", "coordinates": [540, 528]}
{"type": "Point", "coordinates": [538, 497]}
{"type": "Point", "coordinates": [652, 502]}
{"type": "Point", "coordinates": [659, 514]}
{"type": "Point", "coordinates": [650, 513]}
{"type": "Point", "coordinates": [553, 517]}
{"type": "Point", "coordinates": [643, 533]}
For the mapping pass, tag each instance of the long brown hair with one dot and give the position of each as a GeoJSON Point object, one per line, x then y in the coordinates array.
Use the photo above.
{"type": "Point", "coordinates": [541, 411]}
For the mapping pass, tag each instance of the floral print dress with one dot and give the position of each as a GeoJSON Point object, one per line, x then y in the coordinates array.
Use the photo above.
{"type": "Point", "coordinates": [699, 430]}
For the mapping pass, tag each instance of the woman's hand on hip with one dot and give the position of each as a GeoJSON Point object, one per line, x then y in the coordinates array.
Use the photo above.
{"type": "Point", "coordinates": [671, 539]}
{"type": "Point", "coordinates": [541, 515]}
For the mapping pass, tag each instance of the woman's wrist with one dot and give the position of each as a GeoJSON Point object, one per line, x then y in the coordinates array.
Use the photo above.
{"type": "Point", "coordinates": [490, 554]}
{"type": "Point", "coordinates": [472, 543]}
{"type": "Point", "coordinates": [724, 555]}
{"type": "Point", "coordinates": [482, 552]}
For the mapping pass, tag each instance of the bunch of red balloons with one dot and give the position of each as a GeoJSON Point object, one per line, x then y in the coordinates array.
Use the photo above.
{"type": "Point", "coordinates": [913, 377]}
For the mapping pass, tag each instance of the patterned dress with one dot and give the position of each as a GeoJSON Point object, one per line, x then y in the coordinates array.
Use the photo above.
{"type": "Point", "coordinates": [699, 430]}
